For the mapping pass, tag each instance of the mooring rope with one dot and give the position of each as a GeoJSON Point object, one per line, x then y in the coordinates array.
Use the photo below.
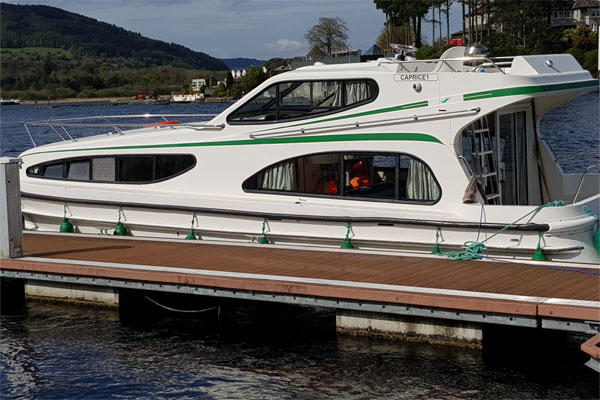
{"type": "Point", "coordinates": [475, 248]}
{"type": "Point", "coordinates": [182, 311]}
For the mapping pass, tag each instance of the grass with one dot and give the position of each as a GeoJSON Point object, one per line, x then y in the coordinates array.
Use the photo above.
{"type": "Point", "coordinates": [40, 51]}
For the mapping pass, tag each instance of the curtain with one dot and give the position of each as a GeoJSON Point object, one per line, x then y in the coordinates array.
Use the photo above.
{"type": "Point", "coordinates": [280, 177]}
{"type": "Point", "coordinates": [356, 91]}
{"type": "Point", "coordinates": [338, 99]}
{"type": "Point", "coordinates": [420, 184]}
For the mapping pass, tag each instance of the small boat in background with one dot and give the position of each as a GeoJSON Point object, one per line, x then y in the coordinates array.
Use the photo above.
{"type": "Point", "coordinates": [9, 102]}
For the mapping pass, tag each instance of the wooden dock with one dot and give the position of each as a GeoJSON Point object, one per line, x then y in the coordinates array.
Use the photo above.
{"type": "Point", "coordinates": [525, 294]}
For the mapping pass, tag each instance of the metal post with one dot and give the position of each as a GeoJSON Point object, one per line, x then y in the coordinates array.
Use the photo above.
{"type": "Point", "coordinates": [11, 223]}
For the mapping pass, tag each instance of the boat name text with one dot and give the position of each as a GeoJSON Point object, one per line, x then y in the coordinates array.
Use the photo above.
{"type": "Point", "coordinates": [415, 77]}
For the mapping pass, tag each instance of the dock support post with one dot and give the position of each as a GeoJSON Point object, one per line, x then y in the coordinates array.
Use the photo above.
{"type": "Point", "coordinates": [11, 222]}
{"type": "Point", "coordinates": [12, 296]}
{"type": "Point", "coordinates": [431, 330]}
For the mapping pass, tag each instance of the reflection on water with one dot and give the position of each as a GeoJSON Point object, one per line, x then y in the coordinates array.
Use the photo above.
{"type": "Point", "coordinates": [573, 132]}
{"type": "Point", "coordinates": [268, 352]}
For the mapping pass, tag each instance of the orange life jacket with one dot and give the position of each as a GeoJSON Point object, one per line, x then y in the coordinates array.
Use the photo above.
{"type": "Point", "coordinates": [331, 187]}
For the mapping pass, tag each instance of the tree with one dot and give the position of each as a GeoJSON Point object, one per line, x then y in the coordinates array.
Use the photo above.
{"type": "Point", "coordinates": [448, 3]}
{"type": "Point", "coordinates": [254, 77]}
{"type": "Point", "coordinates": [229, 79]}
{"type": "Point", "coordinates": [581, 38]}
{"type": "Point", "coordinates": [395, 34]}
{"type": "Point", "coordinates": [327, 36]}
{"type": "Point", "coordinates": [405, 12]}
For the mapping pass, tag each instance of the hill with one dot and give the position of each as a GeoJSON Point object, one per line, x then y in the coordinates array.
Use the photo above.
{"type": "Point", "coordinates": [25, 26]}
{"type": "Point", "coordinates": [242, 63]}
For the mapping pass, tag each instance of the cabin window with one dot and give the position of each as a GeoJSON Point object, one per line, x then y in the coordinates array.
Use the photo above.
{"type": "Point", "coordinates": [136, 168]}
{"type": "Point", "coordinates": [103, 169]}
{"type": "Point", "coordinates": [117, 169]}
{"type": "Point", "coordinates": [78, 170]}
{"type": "Point", "coordinates": [297, 100]}
{"type": "Point", "coordinates": [54, 170]}
{"type": "Point", "coordinates": [367, 176]}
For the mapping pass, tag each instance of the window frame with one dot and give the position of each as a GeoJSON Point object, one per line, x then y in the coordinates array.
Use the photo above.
{"type": "Point", "coordinates": [341, 195]}
{"type": "Point", "coordinates": [65, 161]}
{"type": "Point", "coordinates": [295, 84]}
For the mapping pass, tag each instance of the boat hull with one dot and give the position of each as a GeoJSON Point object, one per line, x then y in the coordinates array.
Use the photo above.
{"type": "Point", "coordinates": [562, 239]}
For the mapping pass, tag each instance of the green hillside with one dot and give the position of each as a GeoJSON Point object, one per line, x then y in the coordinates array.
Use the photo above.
{"type": "Point", "coordinates": [43, 26]}
{"type": "Point", "coordinates": [48, 52]}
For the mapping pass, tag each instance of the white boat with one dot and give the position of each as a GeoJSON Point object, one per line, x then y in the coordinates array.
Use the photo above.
{"type": "Point", "coordinates": [9, 102]}
{"type": "Point", "coordinates": [395, 155]}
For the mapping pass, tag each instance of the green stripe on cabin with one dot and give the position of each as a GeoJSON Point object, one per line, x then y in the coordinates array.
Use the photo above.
{"type": "Point", "coordinates": [415, 137]}
{"type": "Point", "coordinates": [528, 90]}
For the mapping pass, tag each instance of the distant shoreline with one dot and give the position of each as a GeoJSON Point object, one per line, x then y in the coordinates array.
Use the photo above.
{"type": "Point", "coordinates": [75, 100]}
{"type": "Point", "coordinates": [120, 100]}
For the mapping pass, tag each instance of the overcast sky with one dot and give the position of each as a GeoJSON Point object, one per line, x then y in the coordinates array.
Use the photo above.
{"type": "Point", "coordinates": [260, 29]}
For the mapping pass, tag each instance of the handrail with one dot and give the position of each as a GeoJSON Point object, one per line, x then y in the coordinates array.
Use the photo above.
{"type": "Point", "coordinates": [582, 178]}
{"type": "Point", "coordinates": [109, 122]}
{"type": "Point", "coordinates": [109, 125]}
{"type": "Point", "coordinates": [125, 116]}
{"type": "Point", "coordinates": [356, 125]}
{"type": "Point", "coordinates": [487, 62]}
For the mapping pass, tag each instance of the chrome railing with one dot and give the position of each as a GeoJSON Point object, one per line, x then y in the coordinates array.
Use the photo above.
{"type": "Point", "coordinates": [357, 125]}
{"type": "Point", "coordinates": [118, 124]}
{"type": "Point", "coordinates": [588, 169]}
{"type": "Point", "coordinates": [498, 63]}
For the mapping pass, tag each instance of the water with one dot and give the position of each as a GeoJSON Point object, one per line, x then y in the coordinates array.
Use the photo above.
{"type": "Point", "coordinates": [14, 139]}
{"type": "Point", "coordinates": [267, 351]}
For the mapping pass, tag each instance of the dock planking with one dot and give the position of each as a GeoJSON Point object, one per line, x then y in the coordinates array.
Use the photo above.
{"type": "Point", "coordinates": [483, 286]}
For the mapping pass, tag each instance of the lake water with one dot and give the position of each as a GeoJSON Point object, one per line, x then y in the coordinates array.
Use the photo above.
{"type": "Point", "coordinates": [262, 351]}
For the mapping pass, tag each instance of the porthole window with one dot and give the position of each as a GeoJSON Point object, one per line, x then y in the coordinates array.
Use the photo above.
{"type": "Point", "coordinates": [116, 169]}
{"type": "Point", "coordinates": [304, 99]}
{"type": "Point", "coordinates": [368, 176]}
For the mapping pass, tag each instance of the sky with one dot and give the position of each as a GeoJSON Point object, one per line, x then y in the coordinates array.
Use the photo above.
{"type": "Point", "coordinates": [261, 29]}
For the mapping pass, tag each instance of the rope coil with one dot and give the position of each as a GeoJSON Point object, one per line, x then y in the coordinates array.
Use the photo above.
{"type": "Point", "coordinates": [475, 248]}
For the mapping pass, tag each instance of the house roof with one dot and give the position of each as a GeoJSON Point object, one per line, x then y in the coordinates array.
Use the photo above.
{"type": "Point", "coordinates": [374, 51]}
{"type": "Point", "coordinates": [586, 4]}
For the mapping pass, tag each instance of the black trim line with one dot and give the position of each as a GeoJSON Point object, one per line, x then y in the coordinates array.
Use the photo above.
{"type": "Point", "coordinates": [275, 216]}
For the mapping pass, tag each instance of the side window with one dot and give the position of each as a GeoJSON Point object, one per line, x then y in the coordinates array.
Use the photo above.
{"type": "Point", "coordinates": [78, 170]}
{"type": "Point", "coordinates": [167, 165]}
{"type": "Point", "coordinates": [371, 176]}
{"type": "Point", "coordinates": [53, 171]}
{"type": "Point", "coordinates": [312, 174]}
{"type": "Point", "coordinates": [118, 169]}
{"type": "Point", "coordinates": [261, 108]}
{"type": "Point", "coordinates": [395, 177]}
{"type": "Point", "coordinates": [357, 91]}
{"type": "Point", "coordinates": [321, 174]}
{"type": "Point", "coordinates": [303, 99]}
{"type": "Point", "coordinates": [136, 168]}
{"type": "Point", "coordinates": [416, 181]}
{"type": "Point", "coordinates": [104, 169]}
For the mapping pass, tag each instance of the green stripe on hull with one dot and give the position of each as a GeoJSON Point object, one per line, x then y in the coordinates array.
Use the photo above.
{"type": "Point", "coordinates": [529, 90]}
{"type": "Point", "coordinates": [415, 137]}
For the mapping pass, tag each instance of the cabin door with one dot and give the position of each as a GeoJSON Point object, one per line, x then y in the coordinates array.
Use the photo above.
{"type": "Point", "coordinates": [512, 156]}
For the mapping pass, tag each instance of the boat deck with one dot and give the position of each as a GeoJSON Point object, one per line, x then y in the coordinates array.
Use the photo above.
{"type": "Point", "coordinates": [534, 290]}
